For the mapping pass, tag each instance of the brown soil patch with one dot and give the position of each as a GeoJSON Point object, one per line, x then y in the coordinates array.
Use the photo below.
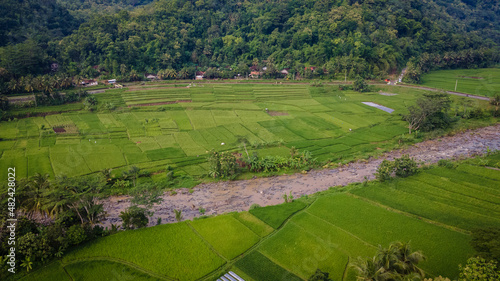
{"type": "Point", "coordinates": [277, 113]}
{"type": "Point", "coordinates": [59, 130]}
{"type": "Point", "coordinates": [159, 103]}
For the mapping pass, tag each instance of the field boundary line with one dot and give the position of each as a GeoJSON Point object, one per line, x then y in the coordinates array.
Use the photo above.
{"type": "Point", "coordinates": [429, 221]}
{"type": "Point", "coordinates": [208, 243]}
{"type": "Point", "coordinates": [460, 201]}
{"type": "Point", "coordinates": [211, 275]}
{"type": "Point", "coordinates": [340, 228]}
{"type": "Point", "coordinates": [118, 260]}
{"type": "Point", "coordinates": [319, 238]}
{"type": "Point", "coordinates": [466, 186]}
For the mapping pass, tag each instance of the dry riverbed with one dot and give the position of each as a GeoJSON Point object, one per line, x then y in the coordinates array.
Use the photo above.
{"type": "Point", "coordinates": [228, 196]}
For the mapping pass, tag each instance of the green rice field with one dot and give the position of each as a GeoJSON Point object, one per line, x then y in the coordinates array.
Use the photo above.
{"type": "Point", "coordinates": [184, 123]}
{"type": "Point", "coordinates": [481, 82]}
{"type": "Point", "coordinates": [434, 210]}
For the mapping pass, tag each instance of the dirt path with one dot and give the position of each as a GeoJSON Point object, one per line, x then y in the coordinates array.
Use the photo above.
{"type": "Point", "coordinates": [223, 197]}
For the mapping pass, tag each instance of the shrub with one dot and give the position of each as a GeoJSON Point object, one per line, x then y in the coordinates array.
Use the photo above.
{"type": "Point", "coordinates": [405, 166]}
{"type": "Point", "coordinates": [134, 217]}
{"type": "Point", "coordinates": [385, 170]}
{"type": "Point", "coordinates": [222, 164]}
{"type": "Point", "coordinates": [75, 235]}
{"type": "Point", "coordinates": [254, 206]}
{"type": "Point", "coordinates": [447, 164]}
{"type": "Point", "coordinates": [320, 275]}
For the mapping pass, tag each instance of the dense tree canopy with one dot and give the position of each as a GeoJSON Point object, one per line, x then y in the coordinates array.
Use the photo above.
{"type": "Point", "coordinates": [367, 38]}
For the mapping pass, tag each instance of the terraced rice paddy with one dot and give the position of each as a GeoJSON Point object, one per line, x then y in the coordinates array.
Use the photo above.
{"type": "Point", "coordinates": [331, 124]}
{"type": "Point", "coordinates": [434, 210]}
{"type": "Point", "coordinates": [481, 82]}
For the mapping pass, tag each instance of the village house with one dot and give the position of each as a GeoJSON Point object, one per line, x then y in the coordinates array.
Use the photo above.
{"type": "Point", "coordinates": [200, 75]}
{"type": "Point", "coordinates": [151, 76]}
{"type": "Point", "coordinates": [254, 74]}
{"type": "Point", "coordinates": [89, 82]}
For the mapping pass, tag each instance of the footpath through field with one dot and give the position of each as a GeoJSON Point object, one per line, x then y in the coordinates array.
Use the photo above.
{"type": "Point", "coordinates": [228, 196]}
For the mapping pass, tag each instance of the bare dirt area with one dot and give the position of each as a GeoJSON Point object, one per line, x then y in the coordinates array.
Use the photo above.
{"type": "Point", "coordinates": [228, 196]}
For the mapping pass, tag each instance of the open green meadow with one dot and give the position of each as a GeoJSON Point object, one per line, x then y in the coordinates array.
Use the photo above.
{"type": "Point", "coordinates": [180, 125]}
{"type": "Point", "coordinates": [481, 82]}
{"type": "Point", "coordinates": [434, 209]}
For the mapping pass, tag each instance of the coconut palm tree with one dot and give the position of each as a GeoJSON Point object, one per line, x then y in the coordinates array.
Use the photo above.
{"type": "Point", "coordinates": [396, 263]}
{"type": "Point", "coordinates": [36, 187]}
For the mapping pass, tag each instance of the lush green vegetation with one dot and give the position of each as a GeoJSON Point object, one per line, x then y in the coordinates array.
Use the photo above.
{"type": "Point", "coordinates": [431, 209]}
{"type": "Point", "coordinates": [331, 124]}
{"type": "Point", "coordinates": [481, 82]}
{"type": "Point", "coordinates": [171, 38]}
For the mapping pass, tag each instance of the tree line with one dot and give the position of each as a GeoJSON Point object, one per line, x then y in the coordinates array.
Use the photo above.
{"type": "Point", "coordinates": [347, 38]}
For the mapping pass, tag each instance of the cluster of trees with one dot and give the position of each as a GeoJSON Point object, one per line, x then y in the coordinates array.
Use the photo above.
{"type": "Point", "coordinates": [400, 167]}
{"type": "Point", "coordinates": [73, 204]}
{"type": "Point", "coordinates": [54, 215]}
{"type": "Point", "coordinates": [366, 38]}
{"type": "Point", "coordinates": [227, 165]}
{"type": "Point", "coordinates": [469, 58]}
{"type": "Point", "coordinates": [429, 113]}
{"type": "Point", "coordinates": [397, 262]}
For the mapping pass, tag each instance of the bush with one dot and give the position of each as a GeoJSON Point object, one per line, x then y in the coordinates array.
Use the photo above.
{"type": "Point", "coordinates": [75, 235]}
{"type": "Point", "coordinates": [222, 164]}
{"type": "Point", "coordinates": [447, 164]}
{"type": "Point", "coordinates": [402, 167]}
{"type": "Point", "coordinates": [254, 206]}
{"type": "Point", "coordinates": [360, 85]}
{"type": "Point", "coordinates": [320, 275]}
{"type": "Point", "coordinates": [134, 217]}
{"type": "Point", "coordinates": [385, 170]}
{"type": "Point", "coordinates": [405, 166]}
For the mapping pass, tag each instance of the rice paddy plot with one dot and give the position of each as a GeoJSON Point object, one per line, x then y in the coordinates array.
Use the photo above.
{"type": "Point", "coordinates": [482, 82]}
{"type": "Point", "coordinates": [261, 132]}
{"type": "Point", "coordinates": [227, 235]}
{"type": "Point", "coordinates": [280, 131]}
{"type": "Point", "coordinates": [104, 270]}
{"type": "Point", "coordinates": [238, 130]}
{"type": "Point", "coordinates": [40, 163]}
{"type": "Point", "coordinates": [447, 185]}
{"type": "Point", "coordinates": [276, 215]}
{"type": "Point", "coordinates": [250, 116]}
{"type": "Point", "coordinates": [190, 147]}
{"type": "Point", "coordinates": [436, 210]}
{"type": "Point", "coordinates": [223, 117]}
{"type": "Point", "coordinates": [356, 216]}
{"type": "Point", "coordinates": [254, 224]}
{"type": "Point", "coordinates": [302, 252]}
{"type": "Point", "coordinates": [14, 159]}
{"type": "Point", "coordinates": [165, 153]}
{"type": "Point", "coordinates": [261, 268]}
{"type": "Point", "coordinates": [172, 250]}
{"type": "Point", "coordinates": [9, 130]}
{"type": "Point", "coordinates": [303, 129]}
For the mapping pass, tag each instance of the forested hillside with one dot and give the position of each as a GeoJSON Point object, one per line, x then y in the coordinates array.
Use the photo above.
{"type": "Point", "coordinates": [39, 20]}
{"type": "Point", "coordinates": [368, 38]}
{"type": "Point", "coordinates": [83, 9]}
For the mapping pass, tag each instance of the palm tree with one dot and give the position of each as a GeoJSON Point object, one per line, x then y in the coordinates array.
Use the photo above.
{"type": "Point", "coordinates": [37, 186]}
{"type": "Point", "coordinates": [398, 262]}
{"type": "Point", "coordinates": [407, 259]}
{"type": "Point", "coordinates": [27, 263]}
